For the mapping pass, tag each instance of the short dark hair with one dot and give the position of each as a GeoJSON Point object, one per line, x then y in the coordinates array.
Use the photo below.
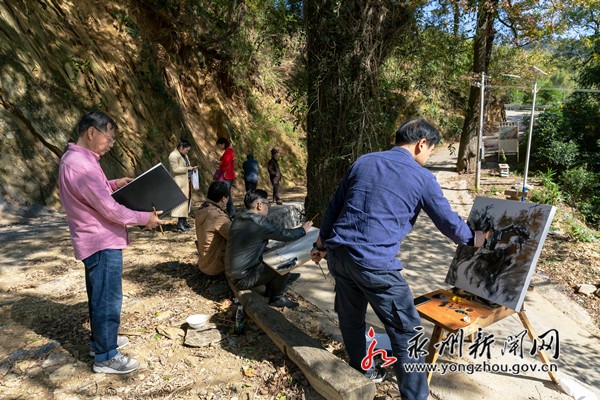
{"type": "Point", "coordinates": [183, 143]}
{"type": "Point", "coordinates": [97, 119]}
{"type": "Point", "coordinates": [217, 190]}
{"type": "Point", "coordinates": [223, 141]}
{"type": "Point", "coordinates": [274, 151]}
{"type": "Point", "coordinates": [415, 129]}
{"type": "Point", "coordinates": [254, 195]}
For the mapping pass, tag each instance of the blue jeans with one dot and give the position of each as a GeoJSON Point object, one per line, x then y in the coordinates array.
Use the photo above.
{"type": "Point", "coordinates": [390, 297]}
{"type": "Point", "coordinates": [103, 274]}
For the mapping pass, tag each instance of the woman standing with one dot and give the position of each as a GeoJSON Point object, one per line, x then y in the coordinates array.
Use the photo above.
{"type": "Point", "coordinates": [182, 171]}
{"type": "Point", "coordinates": [227, 169]}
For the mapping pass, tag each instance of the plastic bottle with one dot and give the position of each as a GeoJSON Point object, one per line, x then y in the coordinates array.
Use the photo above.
{"type": "Point", "coordinates": [240, 319]}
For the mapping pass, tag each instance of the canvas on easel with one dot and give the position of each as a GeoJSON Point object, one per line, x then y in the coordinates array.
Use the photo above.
{"type": "Point", "coordinates": [500, 271]}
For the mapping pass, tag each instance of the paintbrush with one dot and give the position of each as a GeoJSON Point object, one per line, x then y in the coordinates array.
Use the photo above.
{"type": "Point", "coordinates": [316, 215]}
{"type": "Point", "coordinates": [160, 226]}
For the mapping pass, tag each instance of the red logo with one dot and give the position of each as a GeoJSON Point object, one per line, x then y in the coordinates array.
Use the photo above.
{"type": "Point", "coordinates": [367, 362]}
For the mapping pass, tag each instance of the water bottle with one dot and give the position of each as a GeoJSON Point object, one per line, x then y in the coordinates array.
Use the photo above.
{"type": "Point", "coordinates": [240, 319]}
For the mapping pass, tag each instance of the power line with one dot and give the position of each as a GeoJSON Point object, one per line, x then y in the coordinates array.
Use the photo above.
{"type": "Point", "coordinates": [543, 88]}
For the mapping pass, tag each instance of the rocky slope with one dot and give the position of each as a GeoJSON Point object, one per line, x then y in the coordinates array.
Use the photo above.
{"type": "Point", "coordinates": [60, 58]}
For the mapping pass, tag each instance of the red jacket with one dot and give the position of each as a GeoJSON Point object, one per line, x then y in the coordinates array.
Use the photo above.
{"type": "Point", "coordinates": [226, 165]}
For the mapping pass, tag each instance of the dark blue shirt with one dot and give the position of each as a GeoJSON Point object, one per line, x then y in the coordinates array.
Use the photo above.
{"type": "Point", "coordinates": [250, 167]}
{"type": "Point", "coordinates": [377, 204]}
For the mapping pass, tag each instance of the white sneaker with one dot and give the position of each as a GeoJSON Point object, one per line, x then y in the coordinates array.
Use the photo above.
{"type": "Point", "coordinates": [122, 341]}
{"type": "Point", "coordinates": [119, 364]}
{"type": "Point", "coordinates": [376, 374]}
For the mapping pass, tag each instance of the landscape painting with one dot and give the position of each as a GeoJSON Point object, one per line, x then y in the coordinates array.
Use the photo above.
{"type": "Point", "coordinates": [500, 270]}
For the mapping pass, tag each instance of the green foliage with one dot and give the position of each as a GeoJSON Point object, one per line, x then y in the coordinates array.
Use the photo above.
{"type": "Point", "coordinates": [124, 20]}
{"type": "Point", "coordinates": [551, 145]}
{"type": "Point", "coordinates": [582, 118]}
{"type": "Point", "coordinates": [426, 76]}
{"type": "Point", "coordinates": [582, 233]}
{"type": "Point", "coordinates": [578, 183]}
{"type": "Point", "coordinates": [548, 192]}
{"type": "Point", "coordinates": [79, 65]}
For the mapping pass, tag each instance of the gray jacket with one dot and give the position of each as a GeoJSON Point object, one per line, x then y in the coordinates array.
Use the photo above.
{"type": "Point", "coordinates": [248, 236]}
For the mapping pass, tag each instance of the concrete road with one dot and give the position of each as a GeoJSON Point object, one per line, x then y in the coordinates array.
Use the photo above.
{"type": "Point", "coordinates": [426, 255]}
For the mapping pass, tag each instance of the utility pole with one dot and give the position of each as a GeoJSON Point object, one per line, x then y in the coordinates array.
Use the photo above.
{"type": "Point", "coordinates": [480, 137]}
{"type": "Point", "coordinates": [538, 73]}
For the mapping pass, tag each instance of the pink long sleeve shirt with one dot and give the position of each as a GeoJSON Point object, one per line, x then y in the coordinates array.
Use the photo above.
{"type": "Point", "coordinates": [96, 221]}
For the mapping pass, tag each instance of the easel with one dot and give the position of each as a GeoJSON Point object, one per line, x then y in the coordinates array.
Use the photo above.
{"type": "Point", "coordinates": [436, 310]}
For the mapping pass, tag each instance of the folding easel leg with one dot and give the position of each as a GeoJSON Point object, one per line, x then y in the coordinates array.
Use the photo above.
{"type": "Point", "coordinates": [541, 354]}
{"type": "Point", "coordinates": [433, 355]}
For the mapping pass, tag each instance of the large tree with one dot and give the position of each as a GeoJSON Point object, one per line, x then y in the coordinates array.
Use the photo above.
{"type": "Point", "coordinates": [518, 22]}
{"type": "Point", "coordinates": [487, 13]}
{"type": "Point", "coordinates": [347, 42]}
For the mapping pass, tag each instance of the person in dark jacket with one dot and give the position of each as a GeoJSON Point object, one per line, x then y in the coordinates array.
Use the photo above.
{"type": "Point", "coordinates": [248, 236]}
{"type": "Point", "coordinates": [250, 168]}
{"type": "Point", "coordinates": [275, 175]}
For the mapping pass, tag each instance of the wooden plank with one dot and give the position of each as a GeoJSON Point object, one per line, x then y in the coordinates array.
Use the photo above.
{"type": "Point", "coordinates": [514, 194]}
{"type": "Point", "coordinates": [328, 375]}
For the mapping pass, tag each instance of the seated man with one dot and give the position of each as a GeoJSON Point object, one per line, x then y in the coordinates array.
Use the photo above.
{"type": "Point", "coordinates": [248, 236]}
{"type": "Point", "coordinates": [212, 229]}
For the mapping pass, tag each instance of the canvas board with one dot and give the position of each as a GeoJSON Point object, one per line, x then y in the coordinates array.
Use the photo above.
{"type": "Point", "coordinates": [500, 271]}
{"type": "Point", "coordinates": [154, 188]}
{"type": "Point", "coordinates": [293, 254]}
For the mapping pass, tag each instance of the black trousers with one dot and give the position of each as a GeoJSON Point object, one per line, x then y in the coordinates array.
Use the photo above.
{"type": "Point", "coordinates": [260, 275]}
{"type": "Point", "coordinates": [250, 185]}
{"type": "Point", "coordinates": [276, 193]}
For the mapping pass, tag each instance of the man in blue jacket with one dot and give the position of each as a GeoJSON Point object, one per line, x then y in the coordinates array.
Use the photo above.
{"type": "Point", "coordinates": [250, 167]}
{"type": "Point", "coordinates": [374, 208]}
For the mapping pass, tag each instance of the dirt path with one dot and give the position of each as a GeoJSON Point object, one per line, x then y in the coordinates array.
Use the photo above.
{"type": "Point", "coordinates": [43, 314]}
{"type": "Point", "coordinates": [44, 328]}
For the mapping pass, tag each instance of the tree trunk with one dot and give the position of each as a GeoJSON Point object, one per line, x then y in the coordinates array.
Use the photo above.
{"type": "Point", "coordinates": [346, 43]}
{"type": "Point", "coordinates": [482, 49]}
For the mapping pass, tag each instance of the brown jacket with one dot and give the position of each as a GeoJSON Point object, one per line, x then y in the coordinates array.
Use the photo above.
{"type": "Point", "coordinates": [212, 232]}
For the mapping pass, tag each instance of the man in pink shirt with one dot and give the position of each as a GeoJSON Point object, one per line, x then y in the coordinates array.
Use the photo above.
{"type": "Point", "coordinates": [98, 228]}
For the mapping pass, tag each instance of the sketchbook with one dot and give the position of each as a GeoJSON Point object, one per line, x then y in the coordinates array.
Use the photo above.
{"type": "Point", "coordinates": [154, 189]}
{"type": "Point", "coordinates": [293, 254]}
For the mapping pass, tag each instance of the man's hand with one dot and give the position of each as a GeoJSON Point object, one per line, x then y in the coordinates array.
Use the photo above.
{"type": "Point", "coordinates": [307, 226]}
{"type": "Point", "coordinates": [317, 256]}
{"type": "Point", "coordinates": [122, 182]}
{"type": "Point", "coordinates": [154, 221]}
{"type": "Point", "coordinates": [481, 237]}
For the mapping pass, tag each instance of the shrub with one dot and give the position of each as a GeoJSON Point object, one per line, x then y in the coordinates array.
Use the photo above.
{"type": "Point", "coordinates": [575, 183]}
{"type": "Point", "coordinates": [551, 146]}
{"type": "Point", "coordinates": [548, 192]}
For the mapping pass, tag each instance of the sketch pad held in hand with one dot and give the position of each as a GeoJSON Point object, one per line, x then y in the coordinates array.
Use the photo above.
{"type": "Point", "coordinates": [293, 254]}
{"type": "Point", "coordinates": [154, 189]}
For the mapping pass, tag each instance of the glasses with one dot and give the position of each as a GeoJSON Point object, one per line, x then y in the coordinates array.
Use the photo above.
{"type": "Point", "coordinates": [266, 203]}
{"type": "Point", "coordinates": [111, 140]}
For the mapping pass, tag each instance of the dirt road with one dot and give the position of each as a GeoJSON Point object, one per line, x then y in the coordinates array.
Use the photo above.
{"type": "Point", "coordinates": [44, 352]}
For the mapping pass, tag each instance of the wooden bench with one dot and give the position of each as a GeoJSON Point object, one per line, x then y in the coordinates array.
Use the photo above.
{"type": "Point", "coordinates": [327, 374]}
